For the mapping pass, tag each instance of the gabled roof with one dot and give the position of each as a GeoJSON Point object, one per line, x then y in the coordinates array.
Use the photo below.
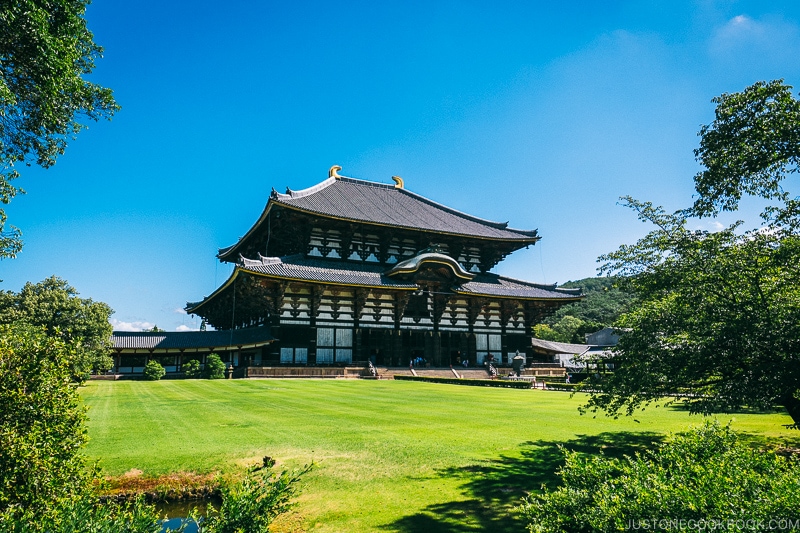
{"type": "Point", "coordinates": [493, 285]}
{"type": "Point", "coordinates": [146, 340]}
{"type": "Point", "coordinates": [370, 275]}
{"type": "Point", "coordinates": [381, 204]}
{"type": "Point", "coordinates": [559, 347]}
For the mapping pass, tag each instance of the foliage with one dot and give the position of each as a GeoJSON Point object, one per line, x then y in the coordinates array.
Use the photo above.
{"type": "Point", "coordinates": [253, 502]}
{"type": "Point", "coordinates": [545, 332]}
{"type": "Point", "coordinates": [86, 513]}
{"type": "Point", "coordinates": [41, 421]}
{"type": "Point", "coordinates": [752, 146]}
{"type": "Point", "coordinates": [153, 371]}
{"type": "Point", "coordinates": [215, 368]}
{"type": "Point", "coordinates": [718, 314]}
{"type": "Point", "coordinates": [80, 322]}
{"type": "Point", "coordinates": [706, 476]}
{"type": "Point", "coordinates": [191, 369]}
{"type": "Point", "coordinates": [605, 301]}
{"type": "Point", "coordinates": [44, 99]}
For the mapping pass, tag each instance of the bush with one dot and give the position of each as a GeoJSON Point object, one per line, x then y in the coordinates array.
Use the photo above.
{"type": "Point", "coordinates": [703, 479]}
{"type": "Point", "coordinates": [191, 369]}
{"type": "Point", "coordinates": [153, 371]}
{"type": "Point", "coordinates": [42, 429]}
{"type": "Point", "coordinates": [215, 368]}
{"type": "Point", "coordinates": [85, 512]}
{"type": "Point", "coordinates": [252, 503]}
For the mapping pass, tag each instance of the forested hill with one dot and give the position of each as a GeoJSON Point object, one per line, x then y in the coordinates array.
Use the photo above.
{"type": "Point", "coordinates": [601, 307]}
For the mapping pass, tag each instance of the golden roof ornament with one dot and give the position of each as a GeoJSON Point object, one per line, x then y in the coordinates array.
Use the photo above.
{"type": "Point", "coordinates": [334, 172]}
{"type": "Point", "coordinates": [398, 182]}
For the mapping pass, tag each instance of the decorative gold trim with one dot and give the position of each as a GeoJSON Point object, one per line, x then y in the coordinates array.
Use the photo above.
{"type": "Point", "coordinates": [398, 182]}
{"type": "Point", "coordinates": [334, 172]}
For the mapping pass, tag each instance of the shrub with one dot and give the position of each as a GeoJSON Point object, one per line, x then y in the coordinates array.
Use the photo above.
{"type": "Point", "coordinates": [191, 369]}
{"type": "Point", "coordinates": [252, 503]}
{"type": "Point", "coordinates": [153, 371]}
{"type": "Point", "coordinates": [703, 479]}
{"type": "Point", "coordinates": [42, 429]}
{"type": "Point", "coordinates": [215, 368]}
{"type": "Point", "coordinates": [85, 512]}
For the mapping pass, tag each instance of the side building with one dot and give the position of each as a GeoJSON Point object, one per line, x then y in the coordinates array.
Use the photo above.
{"type": "Point", "coordinates": [350, 270]}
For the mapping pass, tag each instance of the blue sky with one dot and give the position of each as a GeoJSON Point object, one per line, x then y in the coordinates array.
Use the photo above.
{"type": "Point", "coordinates": [537, 113]}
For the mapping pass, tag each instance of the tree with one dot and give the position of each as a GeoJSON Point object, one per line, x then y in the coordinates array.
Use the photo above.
{"type": "Point", "coordinates": [706, 479]}
{"type": "Point", "coordinates": [55, 305]}
{"type": "Point", "coordinates": [718, 316]}
{"type": "Point", "coordinates": [604, 302]}
{"type": "Point", "coordinates": [568, 329]}
{"type": "Point", "coordinates": [46, 51]}
{"type": "Point", "coordinates": [42, 421]}
{"type": "Point", "coordinates": [752, 146]}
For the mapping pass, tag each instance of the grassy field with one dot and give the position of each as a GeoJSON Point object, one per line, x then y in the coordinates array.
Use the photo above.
{"type": "Point", "coordinates": [389, 455]}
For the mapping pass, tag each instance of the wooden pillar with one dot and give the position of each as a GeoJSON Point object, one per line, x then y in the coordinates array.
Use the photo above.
{"type": "Point", "coordinates": [398, 309]}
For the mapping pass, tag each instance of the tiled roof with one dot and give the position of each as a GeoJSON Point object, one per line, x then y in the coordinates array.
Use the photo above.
{"type": "Point", "coordinates": [373, 275]}
{"type": "Point", "coordinates": [493, 285]}
{"type": "Point", "coordinates": [189, 339]}
{"type": "Point", "coordinates": [379, 203]}
{"type": "Point", "coordinates": [559, 347]}
{"type": "Point", "coordinates": [308, 269]}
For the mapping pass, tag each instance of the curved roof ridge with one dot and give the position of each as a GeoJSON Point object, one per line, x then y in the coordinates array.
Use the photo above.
{"type": "Point", "coordinates": [291, 195]}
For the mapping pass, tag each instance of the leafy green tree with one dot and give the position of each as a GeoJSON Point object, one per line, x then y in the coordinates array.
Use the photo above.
{"type": "Point", "coordinates": [215, 368]}
{"type": "Point", "coordinates": [751, 148]}
{"type": "Point", "coordinates": [604, 302]}
{"type": "Point", "coordinates": [705, 474]}
{"type": "Point", "coordinates": [45, 100]}
{"type": "Point", "coordinates": [42, 420]}
{"type": "Point", "coordinates": [81, 322]}
{"type": "Point", "coordinates": [567, 329]}
{"type": "Point", "coordinates": [718, 315]}
{"type": "Point", "coordinates": [545, 332]}
{"type": "Point", "coordinates": [153, 371]}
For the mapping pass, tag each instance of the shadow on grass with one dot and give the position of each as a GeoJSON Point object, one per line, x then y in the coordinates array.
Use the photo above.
{"type": "Point", "coordinates": [492, 489]}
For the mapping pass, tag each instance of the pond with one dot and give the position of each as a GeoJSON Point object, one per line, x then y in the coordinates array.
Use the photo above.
{"type": "Point", "coordinates": [177, 511]}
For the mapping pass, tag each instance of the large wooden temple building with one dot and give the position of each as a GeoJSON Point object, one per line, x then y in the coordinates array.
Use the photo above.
{"type": "Point", "coordinates": [349, 271]}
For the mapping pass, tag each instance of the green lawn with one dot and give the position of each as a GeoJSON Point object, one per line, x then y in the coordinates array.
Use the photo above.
{"type": "Point", "coordinates": [389, 455]}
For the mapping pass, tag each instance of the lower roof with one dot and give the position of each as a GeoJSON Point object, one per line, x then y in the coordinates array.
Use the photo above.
{"type": "Point", "coordinates": [299, 268]}
{"type": "Point", "coordinates": [178, 340]}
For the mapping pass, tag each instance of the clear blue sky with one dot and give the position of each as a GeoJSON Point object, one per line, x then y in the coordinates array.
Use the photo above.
{"type": "Point", "coordinates": [538, 113]}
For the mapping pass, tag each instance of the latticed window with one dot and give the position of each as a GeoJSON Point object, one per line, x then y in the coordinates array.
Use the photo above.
{"type": "Point", "coordinates": [488, 344]}
{"type": "Point", "coordinates": [334, 345]}
{"type": "Point", "coordinates": [294, 355]}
